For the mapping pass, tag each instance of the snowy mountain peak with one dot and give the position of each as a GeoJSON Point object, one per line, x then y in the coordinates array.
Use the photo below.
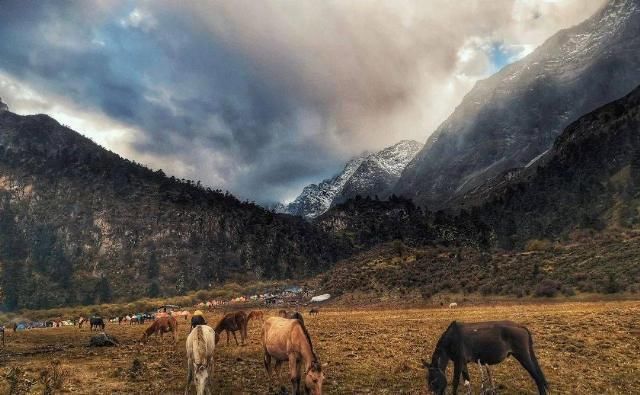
{"type": "Point", "coordinates": [369, 174]}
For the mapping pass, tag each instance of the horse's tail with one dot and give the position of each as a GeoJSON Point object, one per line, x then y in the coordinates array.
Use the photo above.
{"type": "Point", "coordinates": [535, 361]}
{"type": "Point", "coordinates": [201, 346]}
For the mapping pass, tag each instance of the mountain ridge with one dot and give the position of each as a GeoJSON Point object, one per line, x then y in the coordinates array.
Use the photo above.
{"type": "Point", "coordinates": [369, 174]}
{"type": "Point", "coordinates": [515, 115]}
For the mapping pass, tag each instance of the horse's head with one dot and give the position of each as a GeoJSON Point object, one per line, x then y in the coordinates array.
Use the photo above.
{"type": "Point", "coordinates": [313, 379]}
{"type": "Point", "coordinates": [436, 378]}
{"type": "Point", "coordinates": [201, 378]}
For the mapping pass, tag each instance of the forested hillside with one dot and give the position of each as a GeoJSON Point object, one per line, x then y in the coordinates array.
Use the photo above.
{"type": "Point", "coordinates": [590, 179]}
{"type": "Point", "coordinates": [79, 224]}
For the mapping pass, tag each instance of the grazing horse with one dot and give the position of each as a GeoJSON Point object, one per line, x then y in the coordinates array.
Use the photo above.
{"type": "Point", "coordinates": [96, 323]}
{"type": "Point", "coordinates": [314, 311]}
{"type": "Point", "coordinates": [288, 340]}
{"type": "Point", "coordinates": [201, 343]}
{"type": "Point", "coordinates": [453, 305]}
{"type": "Point", "coordinates": [292, 315]}
{"type": "Point", "coordinates": [81, 321]}
{"type": "Point", "coordinates": [256, 315]}
{"type": "Point", "coordinates": [232, 322]}
{"type": "Point", "coordinates": [161, 326]}
{"type": "Point", "coordinates": [487, 343]}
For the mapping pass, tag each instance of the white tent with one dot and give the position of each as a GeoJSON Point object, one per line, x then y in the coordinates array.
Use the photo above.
{"type": "Point", "coordinates": [320, 298]}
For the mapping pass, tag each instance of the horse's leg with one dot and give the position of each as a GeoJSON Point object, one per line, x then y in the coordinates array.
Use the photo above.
{"type": "Point", "coordinates": [277, 367]}
{"type": "Point", "coordinates": [493, 388]}
{"type": "Point", "coordinates": [267, 362]}
{"type": "Point", "coordinates": [226, 330]}
{"type": "Point", "coordinates": [457, 369]}
{"type": "Point", "coordinates": [525, 360]}
{"type": "Point", "coordinates": [210, 365]}
{"type": "Point", "coordinates": [294, 374]}
{"type": "Point", "coordinates": [235, 338]}
{"type": "Point", "coordinates": [467, 378]}
{"type": "Point", "coordinates": [189, 376]}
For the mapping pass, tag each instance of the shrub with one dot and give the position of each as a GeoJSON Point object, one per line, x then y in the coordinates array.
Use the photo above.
{"type": "Point", "coordinates": [538, 245]}
{"type": "Point", "coordinates": [612, 285]}
{"type": "Point", "coordinates": [547, 288]}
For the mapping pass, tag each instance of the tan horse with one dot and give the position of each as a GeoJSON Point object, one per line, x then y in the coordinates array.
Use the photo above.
{"type": "Point", "coordinates": [161, 326]}
{"type": "Point", "coordinates": [201, 343]}
{"type": "Point", "coordinates": [288, 340]}
{"type": "Point", "coordinates": [232, 322]}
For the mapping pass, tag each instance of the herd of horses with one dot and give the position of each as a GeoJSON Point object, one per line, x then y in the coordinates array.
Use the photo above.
{"type": "Point", "coordinates": [285, 339]}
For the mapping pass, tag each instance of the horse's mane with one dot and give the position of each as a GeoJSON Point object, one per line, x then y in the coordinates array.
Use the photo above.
{"type": "Point", "coordinates": [306, 334]}
{"type": "Point", "coordinates": [453, 326]}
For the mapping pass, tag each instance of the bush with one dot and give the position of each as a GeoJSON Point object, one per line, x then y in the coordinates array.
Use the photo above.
{"type": "Point", "coordinates": [538, 245]}
{"type": "Point", "coordinates": [547, 288]}
{"type": "Point", "coordinates": [612, 285]}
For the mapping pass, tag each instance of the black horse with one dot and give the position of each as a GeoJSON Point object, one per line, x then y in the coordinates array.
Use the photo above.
{"type": "Point", "coordinates": [97, 323]}
{"type": "Point", "coordinates": [197, 320]}
{"type": "Point", "coordinates": [487, 343]}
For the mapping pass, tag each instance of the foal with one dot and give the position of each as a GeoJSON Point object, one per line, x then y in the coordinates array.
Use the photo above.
{"type": "Point", "coordinates": [487, 343]}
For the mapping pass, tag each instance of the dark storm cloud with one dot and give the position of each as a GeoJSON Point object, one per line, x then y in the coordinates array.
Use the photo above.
{"type": "Point", "coordinates": [258, 97]}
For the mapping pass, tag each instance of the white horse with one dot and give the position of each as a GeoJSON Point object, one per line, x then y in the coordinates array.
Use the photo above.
{"type": "Point", "coordinates": [200, 345]}
{"type": "Point", "coordinates": [453, 305]}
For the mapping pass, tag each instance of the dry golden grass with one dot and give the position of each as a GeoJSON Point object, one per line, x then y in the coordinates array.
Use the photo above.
{"type": "Point", "coordinates": [583, 348]}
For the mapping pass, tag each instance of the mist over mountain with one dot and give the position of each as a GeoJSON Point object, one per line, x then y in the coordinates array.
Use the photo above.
{"type": "Point", "coordinates": [371, 175]}
{"type": "Point", "coordinates": [515, 115]}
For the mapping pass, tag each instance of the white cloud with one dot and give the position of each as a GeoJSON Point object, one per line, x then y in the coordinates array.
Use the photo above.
{"type": "Point", "coordinates": [140, 19]}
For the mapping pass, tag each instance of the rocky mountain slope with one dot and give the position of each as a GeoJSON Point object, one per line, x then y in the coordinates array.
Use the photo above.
{"type": "Point", "coordinates": [79, 224]}
{"type": "Point", "coordinates": [514, 116]}
{"type": "Point", "coordinates": [590, 178]}
{"type": "Point", "coordinates": [367, 175]}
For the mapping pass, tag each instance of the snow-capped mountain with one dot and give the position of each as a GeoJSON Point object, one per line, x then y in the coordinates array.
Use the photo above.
{"type": "Point", "coordinates": [366, 175]}
{"type": "Point", "coordinates": [514, 116]}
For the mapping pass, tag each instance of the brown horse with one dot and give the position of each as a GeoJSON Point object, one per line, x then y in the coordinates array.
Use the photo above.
{"type": "Point", "coordinates": [161, 326]}
{"type": "Point", "coordinates": [314, 311]}
{"type": "Point", "coordinates": [256, 315]}
{"type": "Point", "coordinates": [288, 340]}
{"type": "Point", "coordinates": [487, 343]}
{"type": "Point", "coordinates": [232, 322]}
{"type": "Point", "coordinates": [2, 333]}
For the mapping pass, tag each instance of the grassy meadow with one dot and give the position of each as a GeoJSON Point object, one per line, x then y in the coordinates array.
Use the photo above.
{"type": "Point", "coordinates": [583, 348]}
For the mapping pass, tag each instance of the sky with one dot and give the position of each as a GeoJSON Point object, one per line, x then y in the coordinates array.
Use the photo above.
{"type": "Point", "coordinates": [260, 97]}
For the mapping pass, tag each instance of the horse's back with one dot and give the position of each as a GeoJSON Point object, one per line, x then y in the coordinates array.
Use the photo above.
{"type": "Point", "coordinates": [201, 343]}
{"type": "Point", "coordinates": [276, 336]}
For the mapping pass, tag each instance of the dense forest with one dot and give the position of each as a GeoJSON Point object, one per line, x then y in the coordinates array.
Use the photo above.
{"type": "Point", "coordinates": [79, 224]}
